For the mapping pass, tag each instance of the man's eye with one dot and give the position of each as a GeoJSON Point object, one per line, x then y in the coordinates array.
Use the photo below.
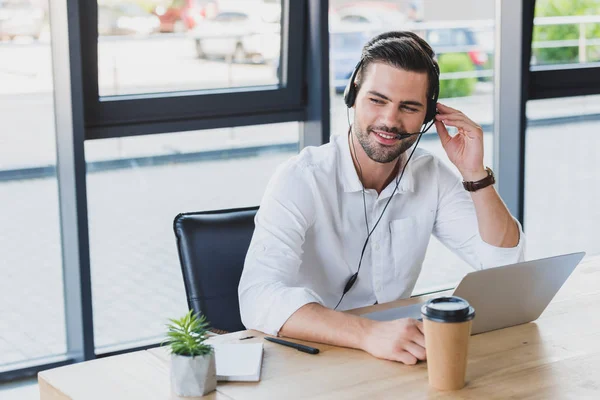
{"type": "Point", "coordinates": [410, 109]}
{"type": "Point", "coordinates": [375, 101]}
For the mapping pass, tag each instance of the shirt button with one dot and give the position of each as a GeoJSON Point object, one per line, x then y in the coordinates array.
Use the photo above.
{"type": "Point", "coordinates": [377, 246]}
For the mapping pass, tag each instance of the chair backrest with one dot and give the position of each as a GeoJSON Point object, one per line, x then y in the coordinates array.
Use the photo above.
{"type": "Point", "coordinates": [212, 246]}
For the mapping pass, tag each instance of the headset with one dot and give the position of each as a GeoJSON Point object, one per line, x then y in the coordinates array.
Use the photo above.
{"type": "Point", "coordinates": [351, 90]}
{"type": "Point", "coordinates": [350, 93]}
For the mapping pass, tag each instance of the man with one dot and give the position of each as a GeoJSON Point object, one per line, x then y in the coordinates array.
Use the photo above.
{"type": "Point", "coordinates": [362, 207]}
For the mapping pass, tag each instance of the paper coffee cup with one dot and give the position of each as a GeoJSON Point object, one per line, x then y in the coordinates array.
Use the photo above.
{"type": "Point", "coordinates": [447, 322]}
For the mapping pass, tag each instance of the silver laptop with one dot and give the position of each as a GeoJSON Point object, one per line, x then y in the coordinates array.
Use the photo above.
{"type": "Point", "coordinates": [503, 296]}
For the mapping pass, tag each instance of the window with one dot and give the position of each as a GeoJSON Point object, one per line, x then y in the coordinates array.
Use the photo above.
{"type": "Point", "coordinates": [140, 52]}
{"type": "Point", "coordinates": [566, 32]}
{"type": "Point", "coordinates": [562, 185]}
{"type": "Point", "coordinates": [32, 320]}
{"type": "Point", "coordinates": [563, 113]}
{"type": "Point", "coordinates": [136, 187]}
{"type": "Point", "coordinates": [466, 84]}
{"type": "Point", "coordinates": [200, 65]}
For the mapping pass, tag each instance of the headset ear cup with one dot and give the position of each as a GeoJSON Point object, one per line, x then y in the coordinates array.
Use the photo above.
{"type": "Point", "coordinates": [432, 103]}
{"type": "Point", "coordinates": [349, 94]}
{"type": "Point", "coordinates": [431, 111]}
{"type": "Point", "coordinates": [350, 91]}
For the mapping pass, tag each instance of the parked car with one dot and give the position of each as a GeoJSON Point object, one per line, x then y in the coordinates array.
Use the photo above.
{"type": "Point", "coordinates": [386, 16]}
{"type": "Point", "coordinates": [347, 39]}
{"type": "Point", "coordinates": [353, 24]}
{"type": "Point", "coordinates": [241, 34]}
{"type": "Point", "coordinates": [450, 40]}
{"type": "Point", "coordinates": [21, 18]}
{"type": "Point", "coordinates": [126, 19]}
{"type": "Point", "coordinates": [182, 15]}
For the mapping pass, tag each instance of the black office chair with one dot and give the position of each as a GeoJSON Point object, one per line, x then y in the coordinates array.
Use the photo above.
{"type": "Point", "coordinates": [212, 246]}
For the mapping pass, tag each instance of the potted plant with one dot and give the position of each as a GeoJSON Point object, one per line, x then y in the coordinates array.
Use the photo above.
{"type": "Point", "coordinates": [193, 371]}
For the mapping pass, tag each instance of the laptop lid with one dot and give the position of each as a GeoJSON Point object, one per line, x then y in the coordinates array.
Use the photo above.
{"type": "Point", "coordinates": [515, 294]}
{"type": "Point", "coordinates": [503, 296]}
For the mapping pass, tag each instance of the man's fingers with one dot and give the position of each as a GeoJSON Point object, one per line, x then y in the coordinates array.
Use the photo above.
{"type": "Point", "coordinates": [448, 113]}
{"type": "Point", "coordinates": [405, 357]}
{"type": "Point", "coordinates": [414, 332]}
{"type": "Point", "coordinates": [416, 350]}
{"type": "Point", "coordinates": [418, 337]}
{"type": "Point", "coordinates": [456, 118]}
{"type": "Point", "coordinates": [442, 132]}
{"type": "Point", "coordinates": [418, 333]}
{"type": "Point", "coordinates": [419, 325]}
{"type": "Point", "coordinates": [444, 109]}
{"type": "Point", "coordinates": [452, 116]}
{"type": "Point", "coordinates": [466, 126]}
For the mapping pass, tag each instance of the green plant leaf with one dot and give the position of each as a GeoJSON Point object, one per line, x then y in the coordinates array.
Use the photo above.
{"type": "Point", "coordinates": [185, 336]}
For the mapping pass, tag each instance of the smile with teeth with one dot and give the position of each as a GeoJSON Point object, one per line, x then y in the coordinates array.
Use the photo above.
{"type": "Point", "coordinates": [384, 135]}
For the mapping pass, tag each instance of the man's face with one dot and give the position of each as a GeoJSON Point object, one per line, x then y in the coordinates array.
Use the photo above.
{"type": "Point", "coordinates": [390, 100]}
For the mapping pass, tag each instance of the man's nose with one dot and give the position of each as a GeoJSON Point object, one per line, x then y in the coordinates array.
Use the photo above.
{"type": "Point", "coordinates": [390, 117]}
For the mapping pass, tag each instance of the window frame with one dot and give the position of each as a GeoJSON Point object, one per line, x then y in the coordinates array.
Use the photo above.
{"type": "Point", "coordinates": [141, 114]}
{"type": "Point", "coordinates": [564, 80]}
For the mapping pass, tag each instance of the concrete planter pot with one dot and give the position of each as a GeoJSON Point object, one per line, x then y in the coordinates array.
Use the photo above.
{"type": "Point", "coordinates": [193, 376]}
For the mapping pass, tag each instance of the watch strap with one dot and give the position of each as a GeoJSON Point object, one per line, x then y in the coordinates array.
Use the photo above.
{"type": "Point", "coordinates": [473, 186]}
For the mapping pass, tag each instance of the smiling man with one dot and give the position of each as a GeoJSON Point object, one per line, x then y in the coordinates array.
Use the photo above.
{"type": "Point", "coordinates": [347, 224]}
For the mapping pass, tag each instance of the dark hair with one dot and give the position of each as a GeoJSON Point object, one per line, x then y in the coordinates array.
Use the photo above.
{"type": "Point", "coordinates": [401, 49]}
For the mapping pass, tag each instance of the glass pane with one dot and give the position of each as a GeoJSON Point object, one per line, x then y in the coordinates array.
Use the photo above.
{"type": "Point", "coordinates": [562, 186]}
{"type": "Point", "coordinates": [30, 248]}
{"type": "Point", "coordinates": [179, 45]}
{"type": "Point", "coordinates": [462, 35]}
{"type": "Point", "coordinates": [136, 187]}
{"type": "Point", "coordinates": [566, 32]}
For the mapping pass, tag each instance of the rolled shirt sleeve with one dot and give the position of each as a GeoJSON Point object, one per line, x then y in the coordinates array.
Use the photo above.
{"type": "Point", "coordinates": [456, 227]}
{"type": "Point", "coordinates": [266, 292]}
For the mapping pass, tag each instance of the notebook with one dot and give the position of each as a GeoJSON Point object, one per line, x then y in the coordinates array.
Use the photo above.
{"type": "Point", "coordinates": [238, 362]}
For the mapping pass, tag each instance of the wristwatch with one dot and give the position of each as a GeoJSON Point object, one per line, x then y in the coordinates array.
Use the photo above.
{"type": "Point", "coordinates": [474, 186]}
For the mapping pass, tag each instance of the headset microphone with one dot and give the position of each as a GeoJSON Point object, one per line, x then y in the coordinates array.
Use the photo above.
{"type": "Point", "coordinates": [401, 136]}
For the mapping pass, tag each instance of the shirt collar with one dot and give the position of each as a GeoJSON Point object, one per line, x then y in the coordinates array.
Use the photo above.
{"type": "Point", "coordinates": [350, 180]}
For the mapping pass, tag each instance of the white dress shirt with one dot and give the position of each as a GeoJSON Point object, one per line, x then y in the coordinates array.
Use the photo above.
{"type": "Point", "coordinates": [310, 230]}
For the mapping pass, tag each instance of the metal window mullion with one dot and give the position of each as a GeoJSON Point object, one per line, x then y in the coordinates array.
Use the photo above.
{"type": "Point", "coordinates": [316, 128]}
{"type": "Point", "coordinates": [65, 24]}
{"type": "Point", "coordinates": [514, 21]}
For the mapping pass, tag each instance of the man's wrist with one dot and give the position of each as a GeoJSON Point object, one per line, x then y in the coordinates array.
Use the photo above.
{"type": "Point", "coordinates": [479, 184]}
{"type": "Point", "coordinates": [367, 327]}
{"type": "Point", "coordinates": [474, 175]}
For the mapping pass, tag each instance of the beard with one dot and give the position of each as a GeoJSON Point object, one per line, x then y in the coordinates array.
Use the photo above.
{"type": "Point", "coordinates": [375, 150]}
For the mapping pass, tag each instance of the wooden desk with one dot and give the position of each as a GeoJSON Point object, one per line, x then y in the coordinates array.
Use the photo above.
{"type": "Point", "coordinates": [556, 357]}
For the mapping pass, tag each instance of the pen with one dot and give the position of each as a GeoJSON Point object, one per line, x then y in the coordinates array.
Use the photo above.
{"type": "Point", "coordinates": [299, 347]}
